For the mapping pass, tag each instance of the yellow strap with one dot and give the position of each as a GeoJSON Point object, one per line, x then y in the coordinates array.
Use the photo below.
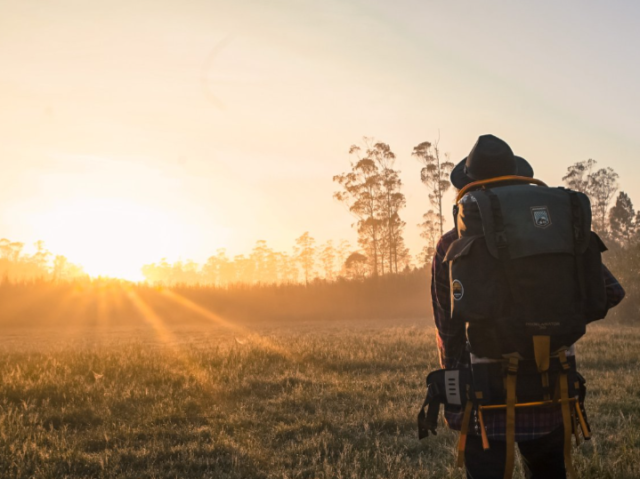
{"type": "Point", "coordinates": [566, 415]}
{"type": "Point", "coordinates": [574, 425]}
{"type": "Point", "coordinates": [498, 179]}
{"type": "Point", "coordinates": [542, 351]}
{"type": "Point", "coordinates": [583, 423]}
{"type": "Point", "coordinates": [464, 429]}
{"type": "Point", "coordinates": [512, 370]}
{"type": "Point", "coordinates": [483, 431]}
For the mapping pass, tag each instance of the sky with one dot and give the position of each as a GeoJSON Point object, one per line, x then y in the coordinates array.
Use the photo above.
{"type": "Point", "coordinates": [136, 130]}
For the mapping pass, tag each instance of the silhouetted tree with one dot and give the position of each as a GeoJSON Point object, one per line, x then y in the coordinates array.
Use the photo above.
{"type": "Point", "coordinates": [265, 265]}
{"type": "Point", "coordinates": [372, 191]}
{"type": "Point", "coordinates": [599, 185]}
{"type": "Point", "coordinates": [603, 185]}
{"type": "Point", "coordinates": [305, 252]}
{"type": "Point", "coordinates": [391, 201]}
{"type": "Point", "coordinates": [622, 220]}
{"type": "Point", "coordinates": [356, 266]}
{"type": "Point", "coordinates": [216, 269]}
{"type": "Point", "coordinates": [64, 270]}
{"type": "Point", "coordinates": [41, 257]}
{"type": "Point", "coordinates": [288, 270]}
{"type": "Point", "coordinates": [327, 259]}
{"type": "Point", "coordinates": [243, 269]}
{"type": "Point", "coordinates": [435, 175]}
{"type": "Point", "coordinates": [578, 176]}
{"type": "Point", "coordinates": [361, 191]}
{"type": "Point", "coordinates": [342, 253]}
{"type": "Point", "coordinates": [430, 232]}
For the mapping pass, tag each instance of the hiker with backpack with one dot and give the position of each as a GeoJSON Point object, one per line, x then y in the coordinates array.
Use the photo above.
{"type": "Point", "coordinates": [514, 284]}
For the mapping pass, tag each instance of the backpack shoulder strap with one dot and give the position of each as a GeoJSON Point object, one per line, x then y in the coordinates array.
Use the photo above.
{"type": "Point", "coordinates": [496, 182]}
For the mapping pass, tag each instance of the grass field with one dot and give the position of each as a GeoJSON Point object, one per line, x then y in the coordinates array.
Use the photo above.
{"type": "Point", "coordinates": [313, 400]}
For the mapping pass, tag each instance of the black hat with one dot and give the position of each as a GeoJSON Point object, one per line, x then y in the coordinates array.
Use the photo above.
{"type": "Point", "coordinates": [490, 157]}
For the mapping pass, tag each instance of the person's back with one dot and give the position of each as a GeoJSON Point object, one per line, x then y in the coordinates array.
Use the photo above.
{"type": "Point", "coordinates": [478, 314]}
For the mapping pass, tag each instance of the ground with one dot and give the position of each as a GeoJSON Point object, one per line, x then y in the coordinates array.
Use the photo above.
{"type": "Point", "coordinates": [312, 400]}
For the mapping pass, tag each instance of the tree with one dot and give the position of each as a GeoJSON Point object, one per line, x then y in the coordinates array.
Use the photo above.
{"type": "Point", "coordinates": [305, 251]}
{"type": "Point", "coordinates": [5, 248]}
{"type": "Point", "coordinates": [287, 268]}
{"type": "Point", "coordinates": [327, 258]}
{"type": "Point", "coordinates": [405, 260]}
{"type": "Point", "coordinates": [435, 175]}
{"type": "Point", "coordinates": [431, 232]}
{"type": "Point", "coordinates": [342, 254]}
{"type": "Point", "coordinates": [41, 257]}
{"type": "Point", "coordinates": [372, 191]}
{"type": "Point", "coordinates": [603, 185]}
{"type": "Point", "coordinates": [356, 266]}
{"type": "Point", "coordinates": [243, 270]}
{"type": "Point", "coordinates": [216, 270]}
{"type": "Point", "coordinates": [64, 270]}
{"type": "Point", "coordinates": [157, 273]}
{"type": "Point", "coordinates": [361, 190]}
{"type": "Point", "coordinates": [578, 176]}
{"type": "Point", "coordinates": [265, 265]}
{"type": "Point", "coordinates": [392, 200]}
{"type": "Point", "coordinates": [599, 186]}
{"type": "Point", "coordinates": [622, 220]}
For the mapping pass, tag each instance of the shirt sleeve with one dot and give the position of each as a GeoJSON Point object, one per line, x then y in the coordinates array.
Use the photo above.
{"type": "Point", "coordinates": [615, 291]}
{"type": "Point", "coordinates": [451, 336]}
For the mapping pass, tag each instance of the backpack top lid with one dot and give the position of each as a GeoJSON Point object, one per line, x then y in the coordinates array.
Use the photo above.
{"type": "Point", "coordinates": [536, 220]}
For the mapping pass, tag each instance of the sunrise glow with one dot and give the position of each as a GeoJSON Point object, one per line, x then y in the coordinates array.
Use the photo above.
{"type": "Point", "coordinates": [109, 236]}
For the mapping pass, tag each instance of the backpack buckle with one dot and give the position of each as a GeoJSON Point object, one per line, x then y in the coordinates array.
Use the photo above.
{"type": "Point", "coordinates": [512, 366]}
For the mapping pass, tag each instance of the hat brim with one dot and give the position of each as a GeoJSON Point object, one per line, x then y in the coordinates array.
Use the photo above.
{"type": "Point", "coordinates": [459, 178]}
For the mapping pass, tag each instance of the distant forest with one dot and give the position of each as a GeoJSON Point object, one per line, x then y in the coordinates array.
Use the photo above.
{"type": "Point", "coordinates": [372, 191]}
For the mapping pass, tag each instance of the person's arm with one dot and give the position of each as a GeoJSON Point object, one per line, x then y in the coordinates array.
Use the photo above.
{"type": "Point", "coordinates": [451, 336]}
{"type": "Point", "coordinates": [615, 291]}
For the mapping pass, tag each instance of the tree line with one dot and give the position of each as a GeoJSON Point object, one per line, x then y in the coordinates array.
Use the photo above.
{"type": "Point", "coordinates": [263, 265]}
{"type": "Point", "coordinates": [372, 191]}
{"type": "Point", "coordinates": [15, 265]}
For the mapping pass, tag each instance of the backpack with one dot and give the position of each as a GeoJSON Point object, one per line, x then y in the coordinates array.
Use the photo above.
{"type": "Point", "coordinates": [526, 276]}
{"type": "Point", "coordinates": [525, 264]}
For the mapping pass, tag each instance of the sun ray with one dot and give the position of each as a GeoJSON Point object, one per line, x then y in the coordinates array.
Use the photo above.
{"type": "Point", "coordinates": [150, 316]}
{"type": "Point", "coordinates": [211, 316]}
{"type": "Point", "coordinates": [59, 316]}
{"type": "Point", "coordinates": [24, 298]}
{"type": "Point", "coordinates": [201, 376]}
{"type": "Point", "coordinates": [217, 319]}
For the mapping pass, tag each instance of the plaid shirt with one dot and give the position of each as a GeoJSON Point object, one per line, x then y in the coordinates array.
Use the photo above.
{"type": "Point", "coordinates": [531, 423]}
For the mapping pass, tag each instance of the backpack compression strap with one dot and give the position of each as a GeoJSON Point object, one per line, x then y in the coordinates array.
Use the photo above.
{"type": "Point", "coordinates": [542, 352]}
{"type": "Point", "coordinates": [464, 430]}
{"type": "Point", "coordinates": [566, 413]}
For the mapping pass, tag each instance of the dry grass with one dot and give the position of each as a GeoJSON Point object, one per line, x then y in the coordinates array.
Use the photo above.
{"type": "Point", "coordinates": [312, 402]}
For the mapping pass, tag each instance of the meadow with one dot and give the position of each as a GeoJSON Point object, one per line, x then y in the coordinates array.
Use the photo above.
{"type": "Point", "coordinates": [312, 399]}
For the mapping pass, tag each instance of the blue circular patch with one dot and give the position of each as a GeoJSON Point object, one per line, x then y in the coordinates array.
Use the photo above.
{"type": "Point", "coordinates": [457, 290]}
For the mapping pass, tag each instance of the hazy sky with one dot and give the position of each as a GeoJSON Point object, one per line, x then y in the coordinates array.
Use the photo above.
{"type": "Point", "coordinates": [176, 128]}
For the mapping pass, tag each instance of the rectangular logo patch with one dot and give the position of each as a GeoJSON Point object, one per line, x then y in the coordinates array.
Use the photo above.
{"type": "Point", "coordinates": [541, 217]}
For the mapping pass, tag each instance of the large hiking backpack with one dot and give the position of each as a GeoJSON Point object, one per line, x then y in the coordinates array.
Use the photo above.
{"type": "Point", "coordinates": [525, 264]}
{"type": "Point", "coordinates": [526, 276]}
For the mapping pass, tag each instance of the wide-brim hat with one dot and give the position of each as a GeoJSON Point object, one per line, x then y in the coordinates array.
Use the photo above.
{"type": "Point", "coordinates": [490, 157]}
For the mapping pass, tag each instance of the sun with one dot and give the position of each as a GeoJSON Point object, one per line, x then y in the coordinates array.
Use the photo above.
{"type": "Point", "coordinates": [109, 236]}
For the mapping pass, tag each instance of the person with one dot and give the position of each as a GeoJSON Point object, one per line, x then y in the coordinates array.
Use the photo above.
{"type": "Point", "coordinates": [538, 431]}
